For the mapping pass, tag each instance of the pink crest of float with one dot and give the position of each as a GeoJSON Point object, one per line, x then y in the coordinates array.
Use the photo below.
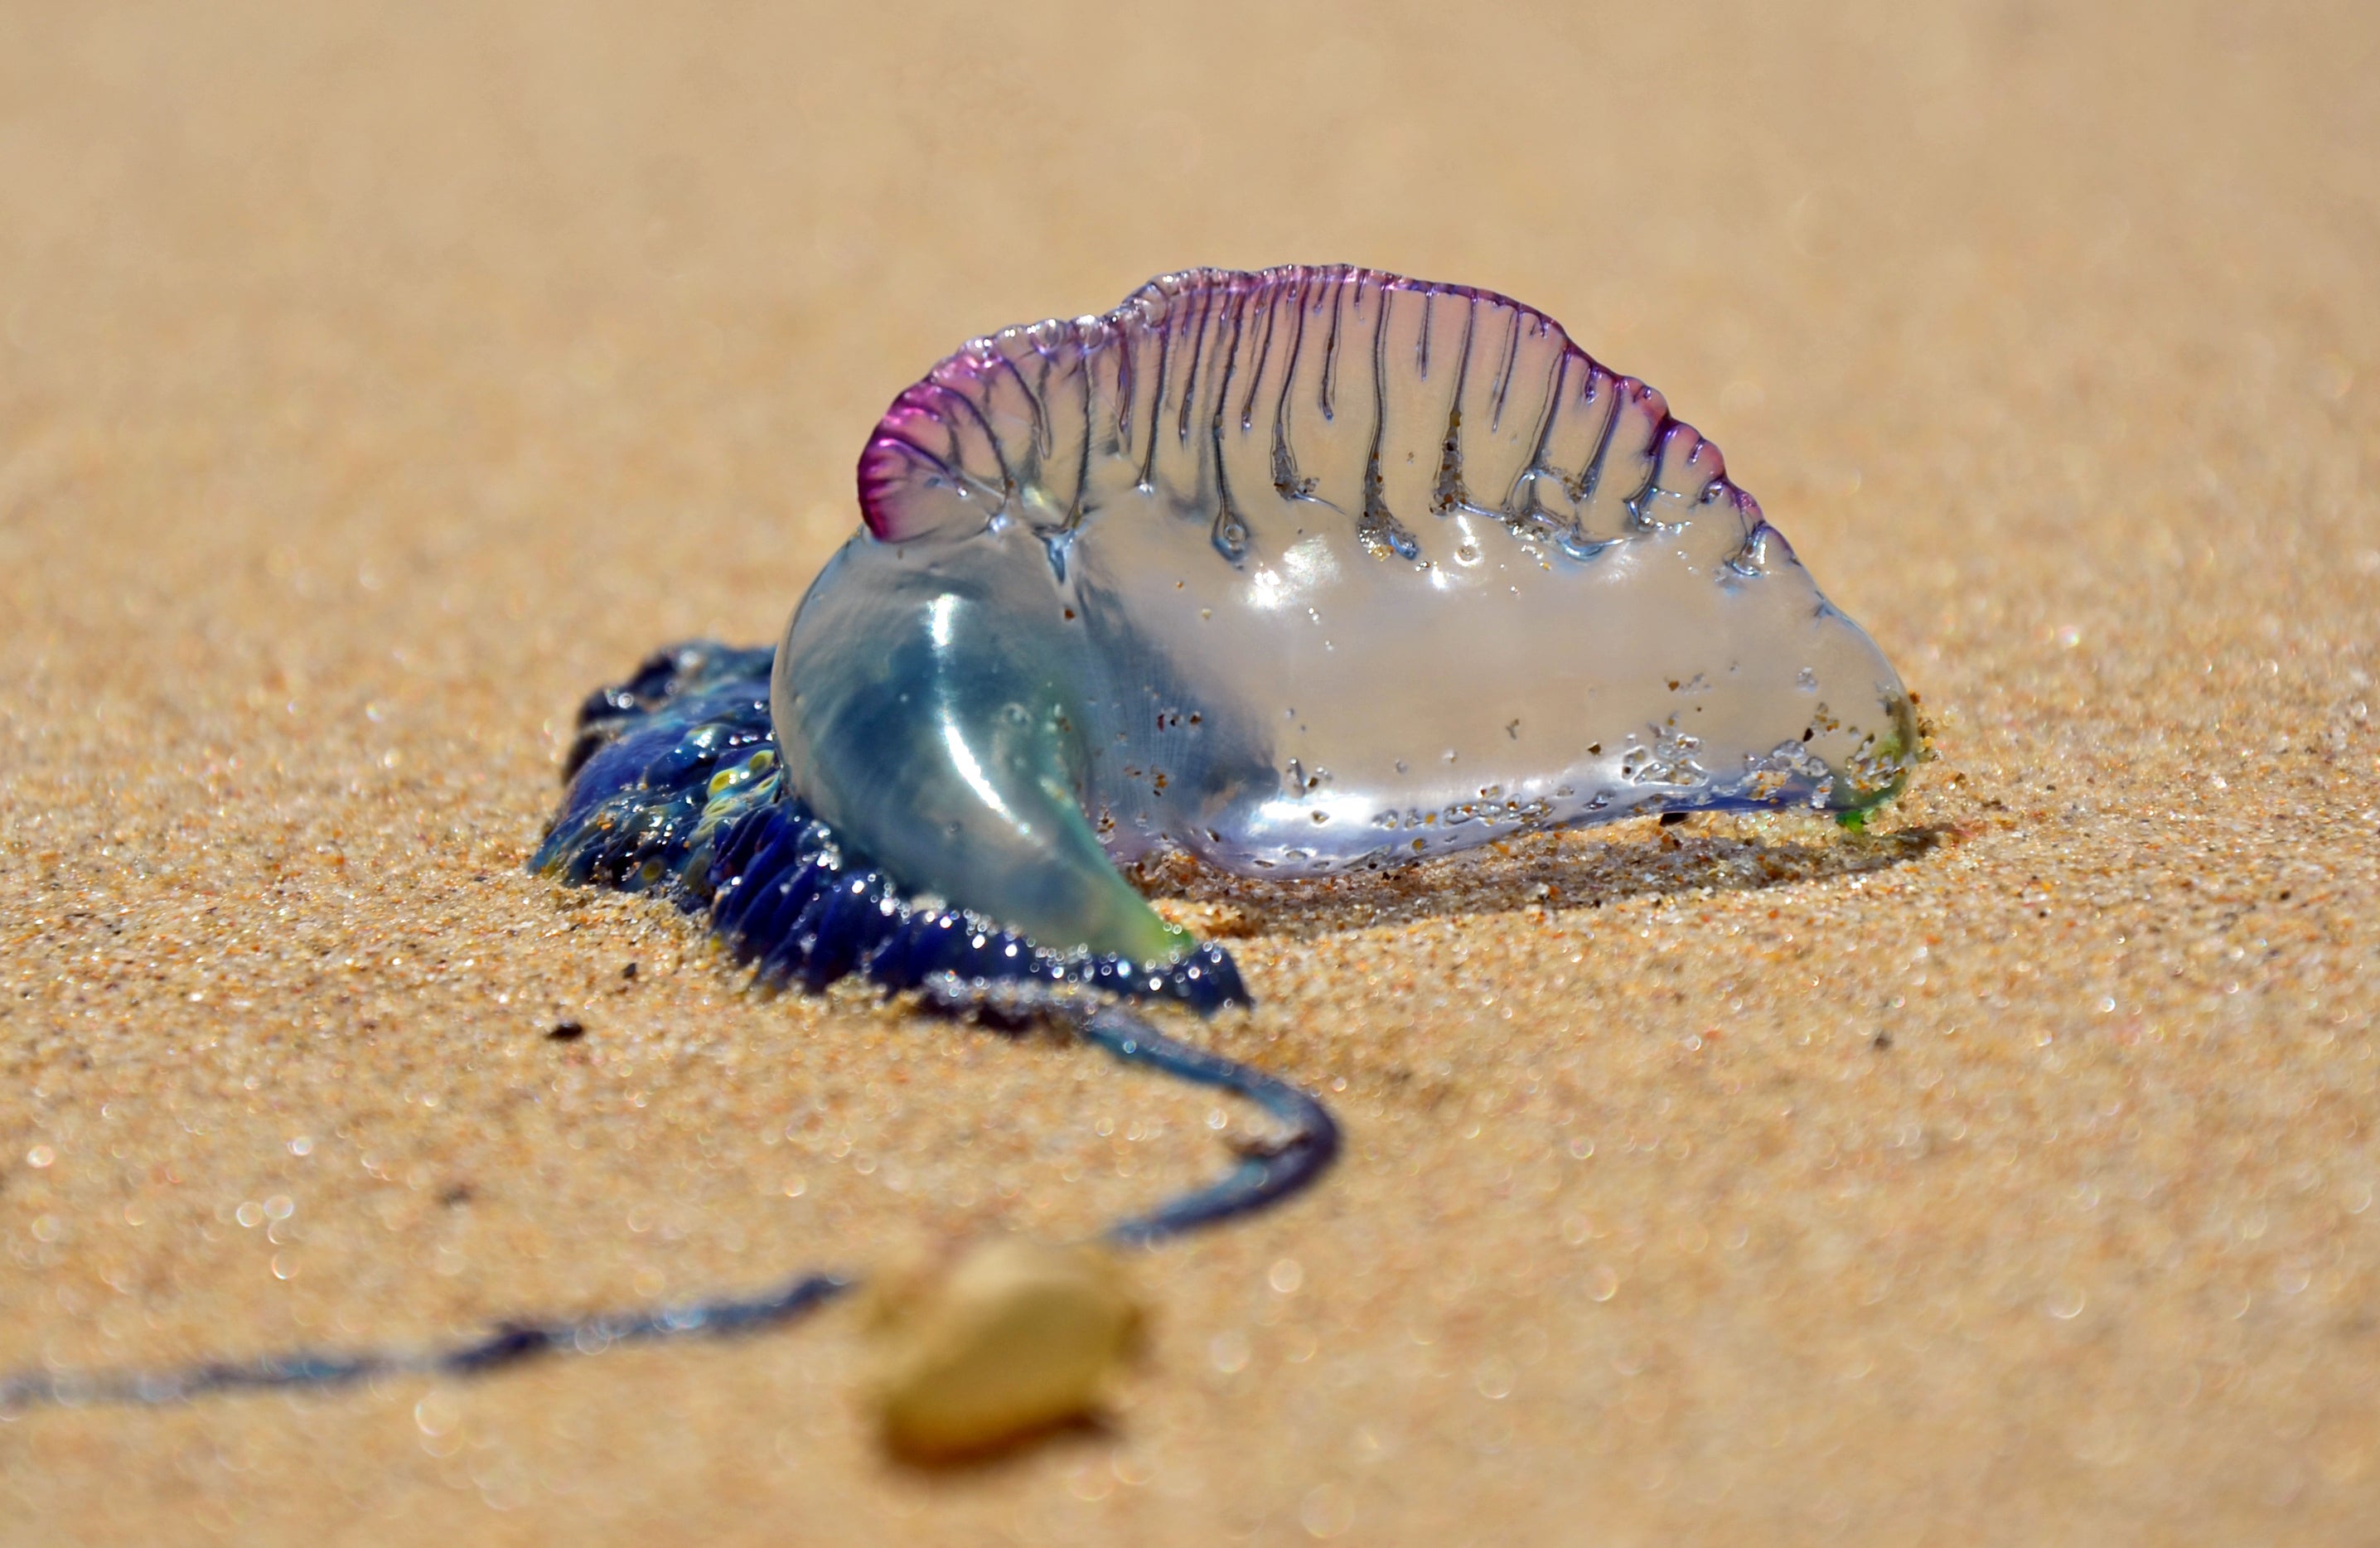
{"type": "Point", "coordinates": [1223, 389]}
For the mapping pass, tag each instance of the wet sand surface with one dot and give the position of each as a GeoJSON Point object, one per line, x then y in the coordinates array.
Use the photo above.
{"type": "Point", "coordinates": [374, 383]}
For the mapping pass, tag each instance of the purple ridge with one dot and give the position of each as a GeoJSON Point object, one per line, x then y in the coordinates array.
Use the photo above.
{"type": "Point", "coordinates": [1226, 387]}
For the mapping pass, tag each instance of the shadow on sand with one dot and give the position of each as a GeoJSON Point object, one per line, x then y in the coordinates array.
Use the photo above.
{"type": "Point", "coordinates": [1579, 869]}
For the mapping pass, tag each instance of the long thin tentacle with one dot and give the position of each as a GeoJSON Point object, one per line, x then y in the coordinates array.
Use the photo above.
{"type": "Point", "coordinates": [1260, 1180]}
{"type": "Point", "coordinates": [510, 1344]}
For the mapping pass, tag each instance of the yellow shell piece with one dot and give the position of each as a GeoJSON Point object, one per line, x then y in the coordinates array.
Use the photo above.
{"type": "Point", "coordinates": [1011, 1338]}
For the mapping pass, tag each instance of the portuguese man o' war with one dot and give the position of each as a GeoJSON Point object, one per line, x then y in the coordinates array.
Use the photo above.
{"type": "Point", "coordinates": [1296, 572]}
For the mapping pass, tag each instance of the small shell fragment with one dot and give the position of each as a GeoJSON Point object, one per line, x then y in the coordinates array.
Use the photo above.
{"type": "Point", "coordinates": [1011, 1338]}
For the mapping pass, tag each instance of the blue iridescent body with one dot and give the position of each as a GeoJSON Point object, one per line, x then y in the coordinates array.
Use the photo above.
{"type": "Point", "coordinates": [676, 788]}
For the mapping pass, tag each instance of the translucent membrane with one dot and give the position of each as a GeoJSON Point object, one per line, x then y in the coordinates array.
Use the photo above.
{"type": "Point", "coordinates": [1301, 570]}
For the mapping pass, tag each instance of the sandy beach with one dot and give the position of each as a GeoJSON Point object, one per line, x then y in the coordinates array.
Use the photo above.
{"type": "Point", "coordinates": [374, 382]}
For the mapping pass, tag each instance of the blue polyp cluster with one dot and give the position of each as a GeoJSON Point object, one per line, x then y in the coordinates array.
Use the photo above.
{"type": "Point", "coordinates": [642, 768]}
{"type": "Point", "coordinates": [786, 900]}
{"type": "Point", "coordinates": [675, 788]}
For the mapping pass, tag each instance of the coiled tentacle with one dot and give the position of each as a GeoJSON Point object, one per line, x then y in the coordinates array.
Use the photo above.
{"type": "Point", "coordinates": [1268, 1172]}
